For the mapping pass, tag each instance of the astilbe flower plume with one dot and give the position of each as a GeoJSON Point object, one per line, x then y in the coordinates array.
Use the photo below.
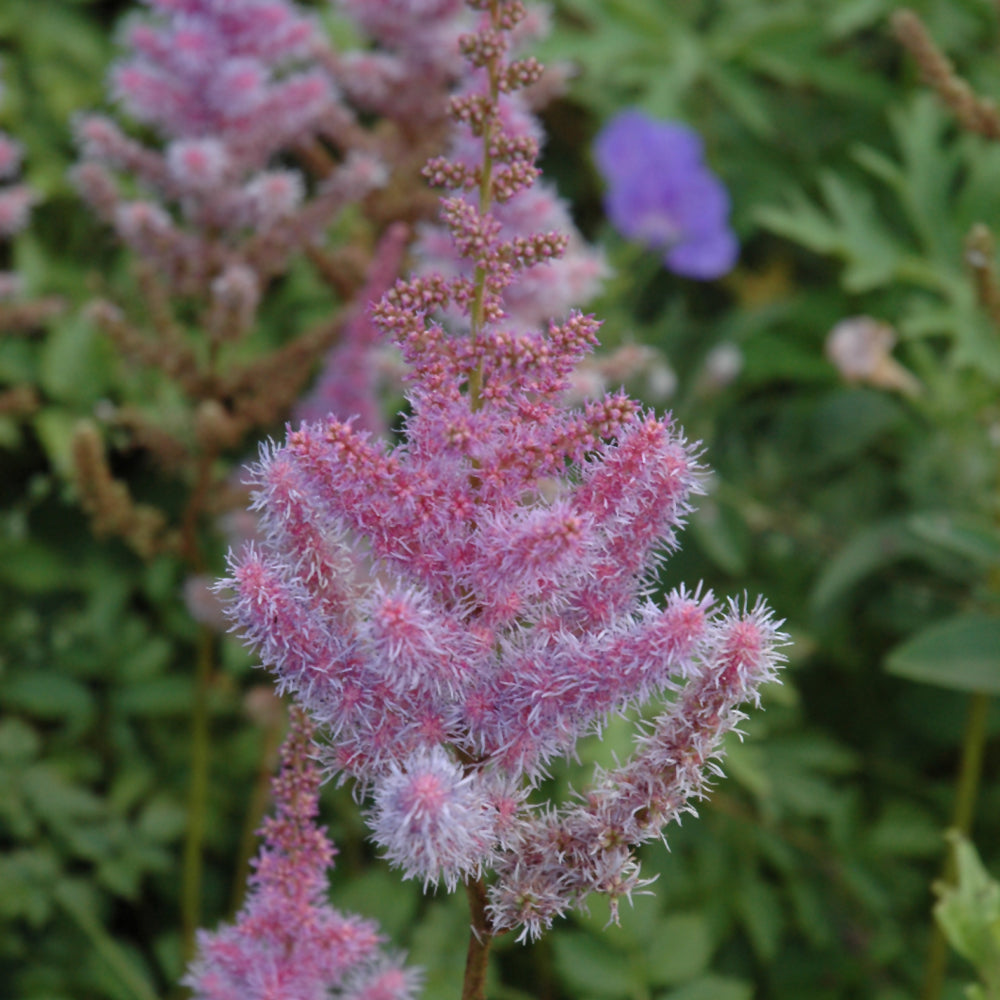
{"type": "Point", "coordinates": [458, 609]}
{"type": "Point", "coordinates": [226, 86]}
{"type": "Point", "coordinates": [15, 203]}
{"type": "Point", "coordinates": [247, 154]}
{"type": "Point", "coordinates": [288, 941]}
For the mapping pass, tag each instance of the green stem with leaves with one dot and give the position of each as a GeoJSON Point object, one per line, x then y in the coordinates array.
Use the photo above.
{"type": "Point", "coordinates": [965, 807]}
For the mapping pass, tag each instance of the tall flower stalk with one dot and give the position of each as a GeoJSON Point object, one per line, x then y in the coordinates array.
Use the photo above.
{"type": "Point", "coordinates": [456, 611]}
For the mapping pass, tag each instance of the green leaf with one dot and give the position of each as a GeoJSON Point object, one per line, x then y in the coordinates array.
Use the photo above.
{"type": "Point", "coordinates": [27, 877]}
{"type": "Point", "coordinates": [156, 696]}
{"type": "Point", "coordinates": [74, 362]}
{"type": "Point", "coordinates": [55, 428]}
{"type": "Point", "coordinates": [962, 653]}
{"type": "Point", "coordinates": [902, 830]}
{"type": "Point", "coordinates": [760, 913]}
{"type": "Point", "coordinates": [48, 694]}
{"type": "Point", "coordinates": [969, 913]}
{"type": "Point", "coordinates": [19, 743]}
{"type": "Point", "coordinates": [57, 800]}
{"type": "Point", "coordinates": [849, 420]}
{"type": "Point", "coordinates": [440, 939]}
{"type": "Point", "coordinates": [378, 893]}
{"type": "Point", "coordinates": [712, 987]}
{"type": "Point", "coordinates": [850, 229]}
{"type": "Point", "coordinates": [590, 968]}
{"type": "Point", "coordinates": [679, 950]}
{"type": "Point", "coordinates": [77, 899]}
{"type": "Point", "coordinates": [34, 568]}
{"type": "Point", "coordinates": [872, 549]}
{"type": "Point", "coordinates": [722, 535]}
{"type": "Point", "coordinates": [163, 820]}
{"type": "Point", "coordinates": [972, 538]}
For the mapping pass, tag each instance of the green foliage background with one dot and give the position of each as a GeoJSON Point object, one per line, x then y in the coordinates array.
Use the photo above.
{"type": "Point", "coordinates": [863, 516]}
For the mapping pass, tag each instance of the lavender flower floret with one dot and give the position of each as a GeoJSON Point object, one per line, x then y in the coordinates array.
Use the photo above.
{"type": "Point", "coordinates": [661, 194]}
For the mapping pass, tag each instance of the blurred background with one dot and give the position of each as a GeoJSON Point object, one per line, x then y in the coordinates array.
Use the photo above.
{"type": "Point", "coordinates": [843, 380]}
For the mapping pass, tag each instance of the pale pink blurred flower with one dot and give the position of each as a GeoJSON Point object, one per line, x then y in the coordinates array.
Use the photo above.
{"type": "Point", "coordinates": [721, 367]}
{"type": "Point", "coordinates": [15, 207]}
{"type": "Point", "coordinates": [11, 153]}
{"type": "Point", "coordinates": [860, 348]}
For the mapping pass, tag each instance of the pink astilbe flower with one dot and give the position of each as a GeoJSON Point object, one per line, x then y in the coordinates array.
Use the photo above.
{"type": "Point", "coordinates": [548, 287]}
{"type": "Point", "coordinates": [16, 201]}
{"type": "Point", "coordinates": [227, 86]}
{"type": "Point", "coordinates": [287, 941]}
{"type": "Point", "coordinates": [417, 41]}
{"type": "Point", "coordinates": [457, 610]}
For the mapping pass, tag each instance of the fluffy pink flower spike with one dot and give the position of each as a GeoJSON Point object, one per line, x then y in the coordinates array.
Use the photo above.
{"type": "Point", "coordinates": [457, 610]}
{"type": "Point", "coordinates": [288, 942]}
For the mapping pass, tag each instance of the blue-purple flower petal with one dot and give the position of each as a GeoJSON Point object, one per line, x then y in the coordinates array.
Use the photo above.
{"type": "Point", "coordinates": [661, 194]}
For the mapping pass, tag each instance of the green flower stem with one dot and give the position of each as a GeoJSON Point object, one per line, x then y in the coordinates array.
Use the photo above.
{"type": "Point", "coordinates": [255, 812]}
{"type": "Point", "coordinates": [197, 797]}
{"type": "Point", "coordinates": [965, 807]}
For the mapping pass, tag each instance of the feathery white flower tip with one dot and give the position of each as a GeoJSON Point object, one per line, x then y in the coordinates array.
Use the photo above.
{"type": "Point", "coordinates": [432, 820]}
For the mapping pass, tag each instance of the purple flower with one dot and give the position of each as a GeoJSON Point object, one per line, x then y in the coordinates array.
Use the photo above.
{"type": "Point", "coordinates": [661, 194]}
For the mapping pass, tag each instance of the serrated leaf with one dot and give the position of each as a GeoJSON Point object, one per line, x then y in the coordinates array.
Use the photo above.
{"type": "Point", "coordinates": [962, 653]}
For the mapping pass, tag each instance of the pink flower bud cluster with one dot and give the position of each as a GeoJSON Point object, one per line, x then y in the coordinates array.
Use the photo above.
{"type": "Point", "coordinates": [457, 610]}
{"type": "Point", "coordinates": [287, 940]}
{"type": "Point", "coordinates": [15, 203]}
{"type": "Point", "coordinates": [227, 85]}
{"type": "Point", "coordinates": [423, 41]}
{"type": "Point", "coordinates": [416, 40]}
{"type": "Point", "coordinates": [553, 284]}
